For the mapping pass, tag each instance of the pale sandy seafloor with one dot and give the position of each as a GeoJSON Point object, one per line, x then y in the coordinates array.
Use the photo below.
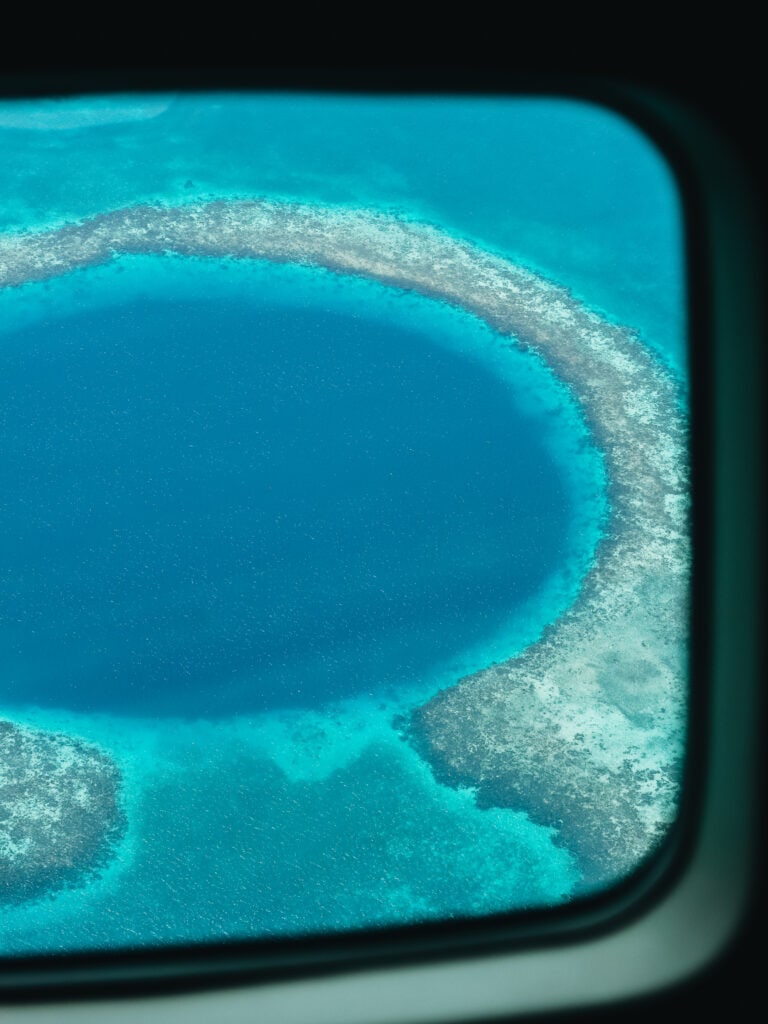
{"type": "Point", "coordinates": [584, 731]}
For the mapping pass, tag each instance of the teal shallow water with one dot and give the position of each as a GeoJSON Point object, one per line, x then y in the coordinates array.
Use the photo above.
{"type": "Point", "coordinates": [287, 825]}
{"type": "Point", "coordinates": [605, 222]}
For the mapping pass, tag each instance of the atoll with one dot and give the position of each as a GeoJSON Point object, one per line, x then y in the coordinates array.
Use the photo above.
{"type": "Point", "coordinates": [584, 730]}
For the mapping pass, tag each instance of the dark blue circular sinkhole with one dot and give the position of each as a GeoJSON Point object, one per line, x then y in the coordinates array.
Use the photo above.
{"type": "Point", "coordinates": [212, 508]}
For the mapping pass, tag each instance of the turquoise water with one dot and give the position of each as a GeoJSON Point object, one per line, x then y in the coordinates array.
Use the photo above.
{"type": "Point", "coordinates": [561, 186]}
{"type": "Point", "coordinates": [258, 511]}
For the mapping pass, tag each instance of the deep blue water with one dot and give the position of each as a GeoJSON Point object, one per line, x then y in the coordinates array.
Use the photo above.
{"type": "Point", "coordinates": [216, 507]}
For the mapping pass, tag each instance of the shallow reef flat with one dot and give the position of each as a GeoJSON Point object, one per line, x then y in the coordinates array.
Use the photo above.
{"type": "Point", "coordinates": [584, 731]}
{"type": "Point", "coordinates": [60, 812]}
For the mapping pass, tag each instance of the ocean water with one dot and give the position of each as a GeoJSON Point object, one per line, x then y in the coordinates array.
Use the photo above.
{"type": "Point", "coordinates": [565, 187]}
{"type": "Point", "coordinates": [254, 512]}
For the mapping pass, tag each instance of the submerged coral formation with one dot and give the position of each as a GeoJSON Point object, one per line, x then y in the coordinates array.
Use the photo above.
{"type": "Point", "coordinates": [60, 814]}
{"type": "Point", "coordinates": [583, 730]}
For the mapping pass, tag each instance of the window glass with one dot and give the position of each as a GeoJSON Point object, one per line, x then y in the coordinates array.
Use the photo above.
{"type": "Point", "coordinates": [344, 520]}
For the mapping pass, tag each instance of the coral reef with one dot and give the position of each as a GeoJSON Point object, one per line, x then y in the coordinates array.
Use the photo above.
{"type": "Point", "coordinates": [585, 729]}
{"type": "Point", "coordinates": [60, 814]}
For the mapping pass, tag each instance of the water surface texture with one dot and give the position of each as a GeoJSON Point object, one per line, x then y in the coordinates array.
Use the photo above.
{"type": "Point", "coordinates": [344, 526]}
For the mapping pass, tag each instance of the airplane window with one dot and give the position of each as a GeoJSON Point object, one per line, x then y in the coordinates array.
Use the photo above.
{"type": "Point", "coordinates": [344, 520]}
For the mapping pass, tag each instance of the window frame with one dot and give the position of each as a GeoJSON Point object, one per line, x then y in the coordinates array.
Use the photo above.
{"type": "Point", "coordinates": [640, 931]}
